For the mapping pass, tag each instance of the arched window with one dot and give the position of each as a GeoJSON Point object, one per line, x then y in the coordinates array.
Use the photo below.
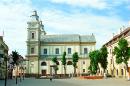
{"type": "Point", "coordinates": [32, 35]}
{"type": "Point", "coordinates": [122, 72]}
{"type": "Point", "coordinates": [117, 71]}
{"type": "Point", "coordinates": [32, 50]}
{"type": "Point", "coordinates": [69, 63]}
{"type": "Point", "coordinates": [43, 64]}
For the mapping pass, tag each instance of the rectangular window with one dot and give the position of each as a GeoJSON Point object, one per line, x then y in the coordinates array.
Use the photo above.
{"type": "Point", "coordinates": [83, 62]}
{"type": "Point", "coordinates": [117, 71]}
{"type": "Point", "coordinates": [45, 51]}
{"type": "Point", "coordinates": [32, 50]}
{"type": "Point", "coordinates": [32, 35]}
{"type": "Point", "coordinates": [69, 50]}
{"type": "Point", "coordinates": [85, 50]}
{"type": "Point", "coordinates": [122, 73]}
{"type": "Point", "coordinates": [111, 61]}
{"type": "Point", "coordinates": [57, 51]}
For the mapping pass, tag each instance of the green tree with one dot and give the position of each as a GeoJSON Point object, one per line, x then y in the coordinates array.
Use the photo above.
{"type": "Point", "coordinates": [103, 58]}
{"type": "Point", "coordinates": [75, 59]}
{"type": "Point", "coordinates": [94, 60]}
{"type": "Point", "coordinates": [15, 56]}
{"type": "Point", "coordinates": [54, 59]}
{"type": "Point", "coordinates": [64, 61]}
{"type": "Point", "coordinates": [122, 53]}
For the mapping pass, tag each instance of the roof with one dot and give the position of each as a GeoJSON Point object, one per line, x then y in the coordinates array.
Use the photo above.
{"type": "Point", "coordinates": [68, 38]}
{"type": "Point", "coordinates": [120, 35]}
{"type": "Point", "coordinates": [2, 43]}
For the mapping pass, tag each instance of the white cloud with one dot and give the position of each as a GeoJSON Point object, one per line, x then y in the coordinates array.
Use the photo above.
{"type": "Point", "coordinates": [13, 18]}
{"type": "Point", "coordinates": [14, 15]}
{"type": "Point", "coordinates": [81, 23]}
{"type": "Point", "coordinates": [98, 4]}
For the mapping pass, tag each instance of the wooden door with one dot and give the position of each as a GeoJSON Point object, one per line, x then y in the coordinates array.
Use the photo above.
{"type": "Point", "coordinates": [129, 70]}
{"type": "Point", "coordinates": [43, 72]}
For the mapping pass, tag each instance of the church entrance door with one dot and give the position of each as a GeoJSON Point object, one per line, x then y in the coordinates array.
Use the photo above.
{"type": "Point", "coordinates": [43, 72]}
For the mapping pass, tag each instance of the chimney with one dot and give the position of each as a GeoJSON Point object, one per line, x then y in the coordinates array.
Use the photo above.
{"type": "Point", "coordinates": [123, 28]}
{"type": "Point", "coordinates": [41, 22]}
{"type": "Point", "coordinates": [120, 30]}
{"type": "Point", "coordinates": [113, 35]}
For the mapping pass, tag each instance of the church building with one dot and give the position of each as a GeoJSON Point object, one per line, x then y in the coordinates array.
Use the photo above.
{"type": "Point", "coordinates": [41, 48]}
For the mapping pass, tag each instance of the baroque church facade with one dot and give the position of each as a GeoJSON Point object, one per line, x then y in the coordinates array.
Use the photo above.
{"type": "Point", "coordinates": [41, 48]}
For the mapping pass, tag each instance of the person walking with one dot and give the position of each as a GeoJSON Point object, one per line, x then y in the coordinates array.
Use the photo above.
{"type": "Point", "coordinates": [51, 78]}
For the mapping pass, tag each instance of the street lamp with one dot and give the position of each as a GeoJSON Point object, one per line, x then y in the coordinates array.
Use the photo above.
{"type": "Point", "coordinates": [10, 65]}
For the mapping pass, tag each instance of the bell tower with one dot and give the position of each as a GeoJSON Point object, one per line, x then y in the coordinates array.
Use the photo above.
{"type": "Point", "coordinates": [33, 27]}
{"type": "Point", "coordinates": [35, 31]}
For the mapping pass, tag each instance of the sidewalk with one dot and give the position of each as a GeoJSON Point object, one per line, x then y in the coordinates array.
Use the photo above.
{"type": "Point", "coordinates": [11, 82]}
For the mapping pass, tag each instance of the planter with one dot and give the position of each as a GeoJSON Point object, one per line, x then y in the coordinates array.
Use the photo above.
{"type": "Point", "coordinates": [91, 77]}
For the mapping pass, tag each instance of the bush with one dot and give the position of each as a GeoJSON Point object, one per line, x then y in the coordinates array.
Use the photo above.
{"type": "Point", "coordinates": [85, 74]}
{"type": "Point", "coordinates": [93, 77]}
{"type": "Point", "coordinates": [108, 75]}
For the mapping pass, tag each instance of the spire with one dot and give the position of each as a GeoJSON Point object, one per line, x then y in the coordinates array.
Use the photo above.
{"type": "Point", "coordinates": [34, 13]}
{"type": "Point", "coordinates": [34, 16]}
{"type": "Point", "coordinates": [42, 27]}
{"type": "Point", "coordinates": [41, 22]}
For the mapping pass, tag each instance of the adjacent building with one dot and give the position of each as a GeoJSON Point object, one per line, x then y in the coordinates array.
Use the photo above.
{"type": "Point", "coordinates": [41, 48]}
{"type": "Point", "coordinates": [3, 53]}
{"type": "Point", "coordinates": [118, 70]}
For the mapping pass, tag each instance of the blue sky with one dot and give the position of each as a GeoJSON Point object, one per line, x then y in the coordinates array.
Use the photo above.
{"type": "Point", "coordinates": [100, 17]}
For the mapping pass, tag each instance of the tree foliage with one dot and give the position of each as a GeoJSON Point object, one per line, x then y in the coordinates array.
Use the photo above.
{"type": "Point", "coordinates": [15, 56]}
{"type": "Point", "coordinates": [64, 61]}
{"type": "Point", "coordinates": [75, 59]}
{"type": "Point", "coordinates": [54, 59]}
{"type": "Point", "coordinates": [122, 52]}
{"type": "Point", "coordinates": [103, 57]}
{"type": "Point", "coordinates": [98, 57]}
{"type": "Point", "coordinates": [94, 59]}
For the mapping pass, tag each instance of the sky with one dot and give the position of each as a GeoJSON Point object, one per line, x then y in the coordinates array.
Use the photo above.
{"type": "Point", "coordinates": [100, 17]}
